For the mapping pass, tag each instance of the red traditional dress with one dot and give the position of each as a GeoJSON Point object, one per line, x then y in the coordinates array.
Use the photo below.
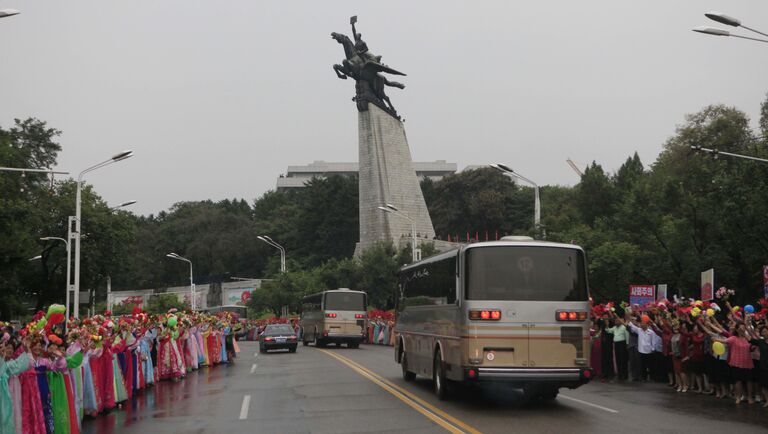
{"type": "Point", "coordinates": [33, 420]}
{"type": "Point", "coordinates": [169, 364]}
{"type": "Point", "coordinates": [107, 377]}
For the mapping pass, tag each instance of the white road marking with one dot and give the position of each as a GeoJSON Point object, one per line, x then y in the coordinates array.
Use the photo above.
{"type": "Point", "coordinates": [255, 354]}
{"type": "Point", "coordinates": [244, 407]}
{"type": "Point", "coordinates": [609, 410]}
{"type": "Point", "coordinates": [253, 368]}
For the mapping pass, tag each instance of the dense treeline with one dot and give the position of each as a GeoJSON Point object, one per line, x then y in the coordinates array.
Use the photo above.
{"type": "Point", "coordinates": [661, 223]}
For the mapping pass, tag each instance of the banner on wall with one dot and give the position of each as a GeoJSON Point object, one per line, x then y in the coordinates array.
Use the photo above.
{"type": "Point", "coordinates": [661, 291]}
{"type": "Point", "coordinates": [708, 285]}
{"type": "Point", "coordinates": [238, 296]}
{"type": "Point", "coordinates": [642, 294]}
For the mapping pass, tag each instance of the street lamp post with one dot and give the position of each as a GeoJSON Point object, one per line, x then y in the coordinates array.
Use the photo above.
{"type": "Point", "coordinates": [274, 244]}
{"type": "Point", "coordinates": [77, 235]}
{"type": "Point", "coordinates": [191, 281]}
{"type": "Point", "coordinates": [536, 202]}
{"type": "Point", "coordinates": [729, 21]}
{"type": "Point", "coordinates": [391, 209]}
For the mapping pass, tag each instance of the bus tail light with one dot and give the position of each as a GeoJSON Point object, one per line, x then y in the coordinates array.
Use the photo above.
{"type": "Point", "coordinates": [485, 315]}
{"type": "Point", "coordinates": [330, 315]}
{"type": "Point", "coordinates": [359, 316]}
{"type": "Point", "coordinates": [268, 339]}
{"type": "Point", "coordinates": [571, 315]}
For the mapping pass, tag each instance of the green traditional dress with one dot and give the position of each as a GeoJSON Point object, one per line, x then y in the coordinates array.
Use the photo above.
{"type": "Point", "coordinates": [59, 398]}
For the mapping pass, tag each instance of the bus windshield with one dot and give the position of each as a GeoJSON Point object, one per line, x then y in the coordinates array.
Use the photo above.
{"type": "Point", "coordinates": [522, 273]}
{"type": "Point", "coordinates": [345, 301]}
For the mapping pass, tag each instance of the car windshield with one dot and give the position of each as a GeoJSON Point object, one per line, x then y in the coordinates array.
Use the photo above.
{"type": "Point", "coordinates": [345, 301]}
{"type": "Point", "coordinates": [278, 330]}
{"type": "Point", "coordinates": [526, 274]}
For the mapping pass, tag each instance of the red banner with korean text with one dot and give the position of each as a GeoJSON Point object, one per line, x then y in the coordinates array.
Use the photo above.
{"type": "Point", "coordinates": [642, 294]}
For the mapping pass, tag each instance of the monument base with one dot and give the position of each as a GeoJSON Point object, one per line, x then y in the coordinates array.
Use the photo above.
{"type": "Point", "coordinates": [387, 177]}
{"type": "Point", "coordinates": [439, 245]}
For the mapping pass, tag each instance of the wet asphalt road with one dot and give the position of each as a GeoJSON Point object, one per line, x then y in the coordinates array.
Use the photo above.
{"type": "Point", "coordinates": [313, 392]}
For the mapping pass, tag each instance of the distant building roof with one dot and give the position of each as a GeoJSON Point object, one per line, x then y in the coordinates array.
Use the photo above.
{"type": "Point", "coordinates": [297, 176]}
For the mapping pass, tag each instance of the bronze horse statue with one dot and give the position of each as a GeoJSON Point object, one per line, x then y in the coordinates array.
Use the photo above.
{"type": "Point", "coordinates": [365, 69]}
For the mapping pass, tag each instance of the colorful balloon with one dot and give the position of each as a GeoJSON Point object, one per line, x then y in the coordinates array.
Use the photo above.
{"type": "Point", "coordinates": [710, 312]}
{"type": "Point", "coordinates": [172, 320]}
{"type": "Point", "coordinates": [645, 319]}
{"type": "Point", "coordinates": [718, 348]}
{"type": "Point", "coordinates": [749, 308]}
{"type": "Point", "coordinates": [695, 312]}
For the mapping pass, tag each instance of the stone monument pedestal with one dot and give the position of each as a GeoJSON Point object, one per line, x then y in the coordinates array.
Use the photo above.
{"type": "Point", "coordinates": [387, 176]}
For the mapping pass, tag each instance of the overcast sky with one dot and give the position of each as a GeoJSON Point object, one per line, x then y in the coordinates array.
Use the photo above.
{"type": "Point", "coordinates": [218, 98]}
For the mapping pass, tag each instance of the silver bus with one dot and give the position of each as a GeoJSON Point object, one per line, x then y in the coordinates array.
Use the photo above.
{"type": "Point", "coordinates": [513, 311]}
{"type": "Point", "coordinates": [337, 316]}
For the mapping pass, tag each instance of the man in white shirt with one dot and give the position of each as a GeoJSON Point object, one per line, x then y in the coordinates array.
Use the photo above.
{"type": "Point", "coordinates": [645, 340]}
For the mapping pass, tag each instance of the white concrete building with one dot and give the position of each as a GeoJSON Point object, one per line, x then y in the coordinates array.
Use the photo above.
{"type": "Point", "coordinates": [297, 176]}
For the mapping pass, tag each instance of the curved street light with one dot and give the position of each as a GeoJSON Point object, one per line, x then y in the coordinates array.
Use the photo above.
{"type": "Point", "coordinates": [124, 204]}
{"type": "Point", "coordinates": [8, 12]}
{"type": "Point", "coordinates": [78, 229]}
{"type": "Point", "coordinates": [391, 209]}
{"type": "Point", "coordinates": [191, 281]}
{"type": "Point", "coordinates": [728, 21]}
{"type": "Point", "coordinates": [536, 202]}
{"type": "Point", "coordinates": [274, 244]}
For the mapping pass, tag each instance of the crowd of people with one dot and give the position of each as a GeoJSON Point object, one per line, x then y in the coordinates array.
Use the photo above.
{"type": "Point", "coordinates": [381, 327]}
{"type": "Point", "coordinates": [54, 372]}
{"type": "Point", "coordinates": [707, 347]}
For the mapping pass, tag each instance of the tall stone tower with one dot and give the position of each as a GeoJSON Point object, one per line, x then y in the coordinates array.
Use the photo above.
{"type": "Point", "coordinates": [387, 177]}
{"type": "Point", "coordinates": [386, 172]}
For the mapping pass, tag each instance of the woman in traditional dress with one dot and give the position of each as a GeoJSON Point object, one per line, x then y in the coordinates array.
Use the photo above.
{"type": "Point", "coordinates": [168, 363]}
{"type": "Point", "coordinates": [10, 368]}
{"type": "Point", "coordinates": [61, 395]}
{"type": "Point", "coordinates": [118, 348]}
{"type": "Point", "coordinates": [146, 357]}
{"type": "Point", "coordinates": [223, 340]}
{"type": "Point", "coordinates": [90, 404]}
{"type": "Point", "coordinates": [33, 419]}
{"type": "Point", "coordinates": [107, 375]}
{"type": "Point", "coordinates": [208, 343]}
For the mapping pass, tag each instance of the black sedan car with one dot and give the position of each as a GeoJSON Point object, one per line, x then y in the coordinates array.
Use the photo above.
{"type": "Point", "coordinates": [277, 337]}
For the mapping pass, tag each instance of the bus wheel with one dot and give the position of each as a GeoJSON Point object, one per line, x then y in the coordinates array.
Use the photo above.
{"type": "Point", "coordinates": [407, 375]}
{"type": "Point", "coordinates": [438, 375]}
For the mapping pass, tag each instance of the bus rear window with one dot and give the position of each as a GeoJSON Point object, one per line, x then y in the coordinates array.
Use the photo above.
{"type": "Point", "coordinates": [345, 301]}
{"type": "Point", "coordinates": [525, 274]}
